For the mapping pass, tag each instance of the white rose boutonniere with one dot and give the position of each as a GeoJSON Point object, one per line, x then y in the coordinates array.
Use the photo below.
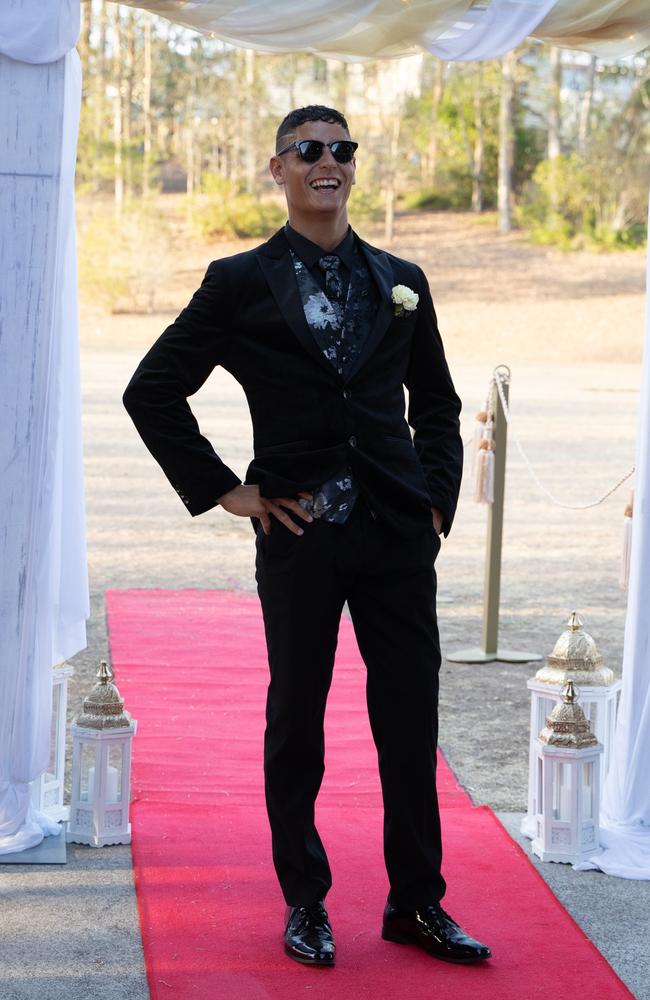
{"type": "Point", "coordinates": [405, 299]}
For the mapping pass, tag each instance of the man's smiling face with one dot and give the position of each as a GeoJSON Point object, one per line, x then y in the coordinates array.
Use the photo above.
{"type": "Point", "coordinates": [314, 188]}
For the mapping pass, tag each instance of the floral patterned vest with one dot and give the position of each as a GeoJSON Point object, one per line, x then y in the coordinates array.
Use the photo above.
{"type": "Point", "coordinates": [340, 331]}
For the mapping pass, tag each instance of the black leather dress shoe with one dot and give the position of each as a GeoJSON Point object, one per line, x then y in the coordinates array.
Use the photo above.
{"type": "Point", "coordinates": [308, 936]}
{"type": "Point", "coordinates": [433, 930]}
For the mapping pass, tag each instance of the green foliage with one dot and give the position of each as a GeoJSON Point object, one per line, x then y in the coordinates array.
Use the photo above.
{"type": "Point", "coordinates": [96, 168]}
{"type": "Point", "coordinates": [95, 159]}
{"type": "Point", "coordinates": [572, 204]}
{"type": "Point", "coordinates": [426, 201]}
{"type": "Point", "coordinates": [443, 145]}
{"type": "Point", "coordinates": [632, 236]}
{"type": "Point", "coordinates": [366, 203]}
{"type": "Point", "coordinates": [559, 199]}
{"type": "Point", "coordinates": [124, 260]}
{"type": "Point", "coordinates": [446, 197]}
{"type": "Point", "coordinates": [223, 211]}
{"type": "Point", "coordinates": [529, 151]}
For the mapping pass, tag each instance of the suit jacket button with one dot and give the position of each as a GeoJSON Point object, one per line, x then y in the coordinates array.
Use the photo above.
{"type": "Point", "coordinates": [346, 394]}
{"type": "Point", "coordinates": [352, 441]}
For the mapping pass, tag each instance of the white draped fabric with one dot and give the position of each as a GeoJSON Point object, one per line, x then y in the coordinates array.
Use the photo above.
{"type": "Point", "coordinates": [43, 593]}
{"type": "Point", "coordinates": [625, 810]}
{"type": "Point", "coordinates": [608, 28]}
{"type": "Point", "coordinates": [489, 33]}
{"type": "Point", "coordinates": [378, 29]}
{"type": "Point", "coordinates": [43, 582]}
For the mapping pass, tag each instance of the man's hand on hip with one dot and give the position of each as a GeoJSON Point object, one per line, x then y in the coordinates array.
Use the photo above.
{"type": "Point", "coordinates": [437, 519]}
{"type": "Point", "coordinates": [245, 501]}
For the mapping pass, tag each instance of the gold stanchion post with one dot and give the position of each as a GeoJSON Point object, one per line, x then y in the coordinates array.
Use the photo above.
{"type": "Point", "coordinates": [489, 649]}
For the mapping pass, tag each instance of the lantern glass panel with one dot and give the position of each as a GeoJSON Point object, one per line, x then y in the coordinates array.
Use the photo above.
{"type": "Point", "coordinates": [86, 772]}
{"type": "Point", "coordinates": [562, 790]}
{"type": "Point", "coordinates": [544, 708]}
{"type": "Point", "coordinates": [55, 736]}
{"type": "Point", "coordinates": [116, 771]}
{"type": "Point", "coordinates": [588, 790]}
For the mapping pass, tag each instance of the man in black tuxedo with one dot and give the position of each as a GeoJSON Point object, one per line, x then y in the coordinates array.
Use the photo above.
{"type": "Point", "coordinates": [323, 331]}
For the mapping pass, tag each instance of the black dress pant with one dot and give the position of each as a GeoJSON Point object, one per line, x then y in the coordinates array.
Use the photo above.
{"type": "Point", "coordinates": [389, 583]}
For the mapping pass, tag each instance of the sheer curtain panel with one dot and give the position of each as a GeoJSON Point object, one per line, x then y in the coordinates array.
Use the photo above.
{"type": "Point", "coordinates": [43, 578]}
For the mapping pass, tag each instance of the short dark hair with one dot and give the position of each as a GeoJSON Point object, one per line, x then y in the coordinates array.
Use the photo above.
{"type": "Point", "coordinates": [312, 113]}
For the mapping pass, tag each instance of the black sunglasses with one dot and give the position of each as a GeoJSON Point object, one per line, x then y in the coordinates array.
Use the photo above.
{"type": "Point", "coordinates": [311, 150]}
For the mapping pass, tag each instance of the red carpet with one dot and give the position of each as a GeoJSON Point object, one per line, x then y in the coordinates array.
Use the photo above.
{"type": "Point", "coordinates": [192, 668]}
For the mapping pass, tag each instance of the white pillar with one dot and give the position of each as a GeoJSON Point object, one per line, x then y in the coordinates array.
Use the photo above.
{"type": "Point", "coordinates": [43, 578]}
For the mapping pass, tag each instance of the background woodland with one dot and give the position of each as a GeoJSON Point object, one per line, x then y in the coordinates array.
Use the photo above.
{"type": "Point", "coordinates": [177, 129]}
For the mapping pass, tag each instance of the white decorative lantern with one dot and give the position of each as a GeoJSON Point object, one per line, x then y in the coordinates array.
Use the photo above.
{"type": "Point", "coordinates": [575, 657]}
{"type": "Point", "coordinates": [101, 767]}
{"type": "Point", "coordinates": [47, 790]}
{"type": "Point", "coordinates": [567, 785]}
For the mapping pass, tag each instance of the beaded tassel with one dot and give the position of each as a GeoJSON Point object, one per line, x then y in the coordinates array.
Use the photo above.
{"type": "Point", "coordinates": [484, 468]}
{"type": "Point", "coordinates": [479, 426]}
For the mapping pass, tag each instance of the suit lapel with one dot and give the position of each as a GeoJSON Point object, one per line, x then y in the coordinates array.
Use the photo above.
{"type": "Point", "coordinates": [382, 272]}
{"type": "Point", "coordinates": [277, 267]}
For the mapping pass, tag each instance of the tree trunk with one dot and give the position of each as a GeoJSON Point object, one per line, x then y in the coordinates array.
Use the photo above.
{"type": "Point", "coordinates": [189, 166]}
{"type": "Point", "coordinates": [586, 104]}
{"type": "Point", "coordinates": [234, 170]}
{"type": "Point", "coordinates": [99, 92]}
{"type": "Point", "coordinates": [250, 148]}
{"type": "Point", "coordinates": [389, 210]}
{"type": "Point", "coordinates": [436, 100]}
{"type": "Point", "coordinates": [554, 108]}
{"type": "Point", "coordinates": [506, 116]}
{"type": "Point", "coordinates": [342, 89]}
{"type": "Point", "coordinates": [477, 165]}
{"type": "Point", "coordinates": [554, 147]}
{"type": "Point", "coordinates": [117, 109]}
{"type": "Point", "coordinates": [83, 46]}
{"type": "Point", "coordinates": [126, 91]}
{"type": "Point", "coordinates": [146, 107]}
{"type": "Point", "coordinates": [621, 218]}
{"type": "Point", "coordinates": [189, 139]}
{"type": "Point", "coordinates": [293, 75]}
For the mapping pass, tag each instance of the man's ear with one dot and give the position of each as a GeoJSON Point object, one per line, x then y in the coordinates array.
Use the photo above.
{"type": "Point", "coordinates": [276, 167]}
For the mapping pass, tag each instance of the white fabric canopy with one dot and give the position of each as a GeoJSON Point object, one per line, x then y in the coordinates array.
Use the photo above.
{"type": "Point", "coordinates": [489, 33]}
{"type": "Point", "coordinates": [43, 590]}
{"type": "Point", "coordinates": [608, 28]}
{"type": "Point", "coordinates": [377, 29]}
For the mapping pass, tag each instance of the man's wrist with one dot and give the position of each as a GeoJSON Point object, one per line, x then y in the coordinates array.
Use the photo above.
{"type": "Point", "coordinates": [438, 519]}
{"type": "Point", "coordinates": [228, 492]}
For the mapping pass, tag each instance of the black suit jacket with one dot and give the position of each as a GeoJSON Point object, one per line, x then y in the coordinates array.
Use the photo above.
{"type": "Point", "coordinates": [308, 421]}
